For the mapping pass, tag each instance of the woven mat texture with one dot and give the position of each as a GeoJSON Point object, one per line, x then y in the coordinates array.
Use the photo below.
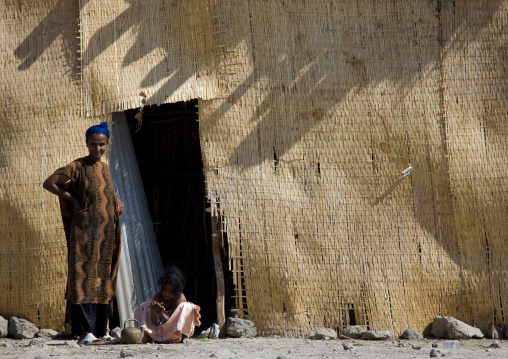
{"type": "Point", "coordinates": [309, 112]}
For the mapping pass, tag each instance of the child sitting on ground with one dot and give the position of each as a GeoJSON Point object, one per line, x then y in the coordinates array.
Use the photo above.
{"type": "Point", "coordinates": [168, 317]}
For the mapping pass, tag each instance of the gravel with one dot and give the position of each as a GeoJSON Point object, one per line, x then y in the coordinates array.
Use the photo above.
{"type": "Point", "coordinates": [251, 348]}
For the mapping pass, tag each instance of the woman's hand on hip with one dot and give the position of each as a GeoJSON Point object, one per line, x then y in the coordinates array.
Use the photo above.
{"type": "Point", "coordinates": [119, 206]}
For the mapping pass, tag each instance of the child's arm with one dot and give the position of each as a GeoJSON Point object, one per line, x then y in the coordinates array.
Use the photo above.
{"type": "Point", "coordinates": [181, 299]}
{"type": "Point", "coordinates": [158, 313]}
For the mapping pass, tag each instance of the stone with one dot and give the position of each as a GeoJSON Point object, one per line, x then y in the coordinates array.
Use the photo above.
{"type": "Point", "coordinates": [38, 342]}
{"type": "Point", "coordinates": [214, 332]}
{"type": "Point", "coordinates": [354, 331]}
{"type": "Point", "coordinates": [5, 345]}
{"type": "Point", "coordinates": [47, 334]}
{"type": "Point", "coordinates": [116, 333]}
{"type": "Point", "coordinates": [4, 327]}
{"type": "Point", "coordinates": [325, 334]}
{"type": "Point", "coordinates": [20, 328]}
{"type": "Point", "coordinates": [205, 333]}
{"type": "Point", "coordinates": [434, 345]}
{"type": "Point", "coordinates": [124, 353]}
{"type": "Point", "coordinates": [347, 346]}
{"type": "Point", "coordinates": [495, 345]}
{"type": "Point", "coordinates": [281, 357]}
{"type": "Point", "coordinates": [237, 327]}
{"type": "Point", "coordinates": [434, 353]}
{"type": "Point", "coordinates": [38, 357]}
{"type": "Point", "coordinates": [376, 335]}
{"type": "Point", "coordinates": [451, 328]}
{"type": "Point", "coordinates": [411, 335]}
{"type": "Point", "coordinates": [497, 333]}
{"type": "Point", "coordinates": [416, 347]}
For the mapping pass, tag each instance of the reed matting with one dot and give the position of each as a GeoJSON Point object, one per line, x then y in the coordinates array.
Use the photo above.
{"type": "Point", "coordinates": [303, 162]}
{"type": "Point", "coordinates": [309, 112]}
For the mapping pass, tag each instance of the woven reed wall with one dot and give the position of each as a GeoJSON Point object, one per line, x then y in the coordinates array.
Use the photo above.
{"type": "Point", "coordinates": [65, 66]}
{"type": "Point", "coordinates": [39, 132]}
{"type": "Point", "coordinates": [302, 162]}
{"type": "Point", "coordinates": [309, 112]}
{"type": "Point", "coordinates": [163, 49]}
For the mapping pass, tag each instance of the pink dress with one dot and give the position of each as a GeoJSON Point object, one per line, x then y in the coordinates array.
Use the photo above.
{"type": "Point", "coordinates": [182, 321]}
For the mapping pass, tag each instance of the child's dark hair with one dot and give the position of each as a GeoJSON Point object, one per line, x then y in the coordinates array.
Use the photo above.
{"type": "Point", "coordinates": [174, 277]}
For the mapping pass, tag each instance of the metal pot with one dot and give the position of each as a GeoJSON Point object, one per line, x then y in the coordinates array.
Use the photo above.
{"type": "Point", "coordinates": [131, 335]}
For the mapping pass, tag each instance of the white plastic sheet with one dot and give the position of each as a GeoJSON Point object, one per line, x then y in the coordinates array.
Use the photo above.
{"type": "Point", "coordinates": [140, 261]}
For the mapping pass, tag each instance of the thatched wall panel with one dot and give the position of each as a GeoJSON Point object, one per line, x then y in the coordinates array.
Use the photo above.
{"type": "Point", "coordinates": [37, 117]}
{"type": "Point", "coordinates": [156, 52]}
{"type": "Point", "coordinates": [310, 111]}
{"type": "Point", "coordinates": [475, 99]}
{"type": "Point", "coordinates": [304, 162]}
{"type": "Point", "coordinates": [63, 71]}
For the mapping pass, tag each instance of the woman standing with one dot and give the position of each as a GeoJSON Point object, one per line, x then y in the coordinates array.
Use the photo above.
{"type": "Point", "coordinates": [90, 211]}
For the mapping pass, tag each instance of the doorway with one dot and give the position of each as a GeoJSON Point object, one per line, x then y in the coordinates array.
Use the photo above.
{"type": "Point", "coordinates": [168, 152]}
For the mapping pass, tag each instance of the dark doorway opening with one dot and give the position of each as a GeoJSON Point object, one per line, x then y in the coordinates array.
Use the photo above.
{"type": "Point", "coordinates": [168, 151]}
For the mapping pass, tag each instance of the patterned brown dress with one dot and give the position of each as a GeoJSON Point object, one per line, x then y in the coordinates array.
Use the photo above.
{"type": "Point", "coordinates": [92, 233]}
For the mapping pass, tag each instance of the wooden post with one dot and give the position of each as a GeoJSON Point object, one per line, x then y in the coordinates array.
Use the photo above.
{"type": "Point", "coordinates": [219, 275]}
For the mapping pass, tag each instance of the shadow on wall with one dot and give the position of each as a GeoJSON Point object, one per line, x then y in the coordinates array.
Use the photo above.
{"type": "Point", "coordinates": [62, 20]}
{"type": "Point", "coordinates": [23, 273]}
{"type": "Point", "coordinates": [306, 70]}
{"type": "Point", "coordinates": [299, 74]}
{"type": "Point", "coordinates": [302, 72]}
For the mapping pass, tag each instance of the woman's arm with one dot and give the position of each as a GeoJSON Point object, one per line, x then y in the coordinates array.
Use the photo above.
{"type": "Point", "coordinates": [54, 184]}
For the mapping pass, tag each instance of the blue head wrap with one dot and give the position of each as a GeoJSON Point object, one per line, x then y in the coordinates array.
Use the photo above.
{"type": "Point", "coordinates": [102, 128]}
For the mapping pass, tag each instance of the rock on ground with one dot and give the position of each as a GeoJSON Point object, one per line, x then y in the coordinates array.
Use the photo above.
{"type": "Point", "coordinates": [38, 342]}
{"type": "Point", "coordinates": [124, 353]}
{"type": "Point", "coordinates": [411, 334]}
{"type": "Point", "coordinates": [4, 327]}
{"type": "Point", "coordinates": [496, 334]}
{"type": "Point", "coordinates": [324, 334]}
{"type": "Point", "coordinates": [451, 328]}
{"type": "Point", "coordinates": [435, 353]}
{"type": "Point", "coordinates": [116, 333]}
{"type": "Point", "coordinates": [237, 327]}
{"type": "Point", "coordinates": [21, 328]}
{"type": "Point", "coordinates": [347, 346]}
{"type": "Point", "coordinates": [354, 331]}
{"type": "Point", "coordinates": [376, 335]}
{"type": "Point", "coordinates": [211, 333]}
{"type": "Point", "coordinates": [47, 334]}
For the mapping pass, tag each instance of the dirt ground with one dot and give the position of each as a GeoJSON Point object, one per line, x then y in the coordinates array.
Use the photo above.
{"type": "Point", "coordinates": [270, 348]}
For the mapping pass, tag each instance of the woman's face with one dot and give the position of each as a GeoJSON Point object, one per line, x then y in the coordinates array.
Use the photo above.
{"type": "Point", "coordinates": [167, 292]}
{"type": "Point", "coordinates": [97, 144]}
